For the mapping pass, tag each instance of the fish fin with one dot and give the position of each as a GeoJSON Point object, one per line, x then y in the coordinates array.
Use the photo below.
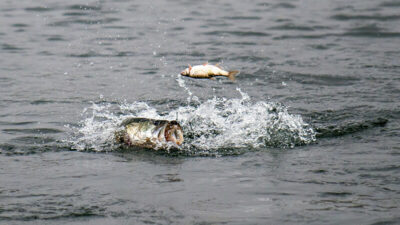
{"type": "Point", "coordinates": [190, 67]}
{"type": "Point", "coordinates": [212, 78]}
{"type": "Point", "coordinates": [231, 74]}
{"type": "Point", "coordinates": [218, 65]}
{"type": "Point", "coordinates": [205, 64]}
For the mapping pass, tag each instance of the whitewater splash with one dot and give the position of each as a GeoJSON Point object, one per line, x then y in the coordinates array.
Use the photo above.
{"type": "Point", "coordinates": [209, 127]}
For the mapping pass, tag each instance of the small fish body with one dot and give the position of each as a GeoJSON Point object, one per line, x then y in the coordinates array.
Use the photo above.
{"type": "Point", "coordinates": [208, 71]}
{"type": "Point", "coordinates": [149, 133]}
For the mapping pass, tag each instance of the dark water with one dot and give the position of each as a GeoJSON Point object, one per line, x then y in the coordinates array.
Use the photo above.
{"type": "Point", "coordinates": [308, 134]}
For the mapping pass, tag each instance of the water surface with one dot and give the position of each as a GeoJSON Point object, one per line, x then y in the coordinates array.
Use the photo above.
{"type": "Point", "coordinates": [308, 134]}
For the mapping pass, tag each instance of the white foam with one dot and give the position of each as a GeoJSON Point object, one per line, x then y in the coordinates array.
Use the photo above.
{"type": "Point", "coordinates": [209, 126]}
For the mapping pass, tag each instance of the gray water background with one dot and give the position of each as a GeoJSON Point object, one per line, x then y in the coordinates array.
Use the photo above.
{"type": "Point", "coordinates": [335, 63]}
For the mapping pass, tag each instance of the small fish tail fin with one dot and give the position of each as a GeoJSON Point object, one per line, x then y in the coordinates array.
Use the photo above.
{"type": "Point", "coordinates": [231, 74]}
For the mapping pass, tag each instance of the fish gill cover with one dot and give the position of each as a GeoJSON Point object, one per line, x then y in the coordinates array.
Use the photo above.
{"type": "Point", "coordinates": [215, 126]}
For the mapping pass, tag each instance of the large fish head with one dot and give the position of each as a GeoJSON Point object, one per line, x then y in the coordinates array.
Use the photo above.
{"type": "Point", "coordinates": [174, 133]}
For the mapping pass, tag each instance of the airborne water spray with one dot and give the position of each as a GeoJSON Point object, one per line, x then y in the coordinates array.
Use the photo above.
{"type": "Point", "coordinates": [210, 127]}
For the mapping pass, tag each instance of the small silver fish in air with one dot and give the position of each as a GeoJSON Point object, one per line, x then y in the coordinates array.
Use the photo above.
{"type": "Point", "coordinates": [208, 71]}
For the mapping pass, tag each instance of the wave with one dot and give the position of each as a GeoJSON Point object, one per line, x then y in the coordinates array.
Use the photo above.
{"type": "Point", "coordinates": [350, 127]}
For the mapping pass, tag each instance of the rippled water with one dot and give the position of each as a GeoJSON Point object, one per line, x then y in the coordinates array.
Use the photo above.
{"type": "Point", "coordinates": [308, 133]}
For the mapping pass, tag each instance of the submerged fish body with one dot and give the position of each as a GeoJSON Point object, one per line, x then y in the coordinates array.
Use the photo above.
{"type": "Point", "coordinates": [150, 133]}
{"type": "Point", "coordinates": [208, 71]}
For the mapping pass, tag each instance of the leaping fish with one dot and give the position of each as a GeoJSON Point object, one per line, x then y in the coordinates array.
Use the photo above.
{"type": "Point", "coordinates": [208, 71]}
{"type": "Point", "coordinates": [149, 133]}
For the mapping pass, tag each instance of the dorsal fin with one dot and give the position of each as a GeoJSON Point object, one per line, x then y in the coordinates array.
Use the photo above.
{"type": "Point", "coordinates": [218, 65]}
{"type": "Point", "coordinates": [190, 67]}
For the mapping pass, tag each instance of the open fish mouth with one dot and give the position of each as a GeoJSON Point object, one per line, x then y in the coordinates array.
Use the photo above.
{"type": "Point", "coordinates": [173, 133]}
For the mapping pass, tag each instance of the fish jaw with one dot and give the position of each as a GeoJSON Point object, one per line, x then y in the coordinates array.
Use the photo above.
{"type": "Point", "coordinates": [173, 133]}
{"type": "Point", "coordinates": [185, 72]}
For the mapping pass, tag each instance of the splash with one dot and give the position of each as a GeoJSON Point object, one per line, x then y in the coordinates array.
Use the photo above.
{"type": "Point", "coordinates": [210, 127]}
{"type": "Point", "coordinates": [181, 83]}
{"type": "Point", "coordinates": [221, 123]}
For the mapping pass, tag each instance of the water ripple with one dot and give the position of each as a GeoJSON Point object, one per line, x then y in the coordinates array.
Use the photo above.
{"type": "Point", "coordinates": [242, 17]}
{"type": "Point", "coordinates": [84, 7]}
{"type": "Point", "coordinates": [390, 4]}
{"type": "Point", "coordinates": [323, 79]}
{"type": "Point", "coordinates": [33, 140]}
{"type": "Point", "coordinates": [284, 5]}
{"type": "Point", "coordinates": [377, 17]}
{"type": "Point", "coordinates": [238, 33]}
{"type": "Point", "coordinates": [349, 127]}
{"type": "Point", "coordinates": [64, 23]}
{"type": "Point", "coordinates": [10, 47]}
{"type": "Point", "coordinates": [32, 131]}
{"type": "Point", "coordinates": [39, 9]}
{"type": "Point", "coordinates": [19, 25]}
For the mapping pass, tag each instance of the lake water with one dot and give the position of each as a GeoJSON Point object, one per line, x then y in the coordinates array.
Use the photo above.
{"type": "Point", "coordinates": [308, 133]}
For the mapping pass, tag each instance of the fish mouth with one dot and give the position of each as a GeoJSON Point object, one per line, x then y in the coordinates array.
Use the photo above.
{"type": "Point", "coordinates": [183, 73]}
{"type": "Point", "coordinates": [173, 133]}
